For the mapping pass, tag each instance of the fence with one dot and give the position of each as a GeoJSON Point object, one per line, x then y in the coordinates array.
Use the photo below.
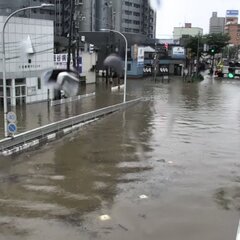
{"type": "Point", "coordinates": [36, 136]}
{"type": "Point", "coordinates": [71, 99]}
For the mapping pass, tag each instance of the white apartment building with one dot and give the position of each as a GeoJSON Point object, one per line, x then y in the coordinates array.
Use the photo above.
{"type": "Point", "coordinates": [178, 32]}
{"type": "Point", "coordinates": [29, 45]}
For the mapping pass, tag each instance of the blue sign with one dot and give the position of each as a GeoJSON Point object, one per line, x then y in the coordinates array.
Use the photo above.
{"type": "Point", "coordinates": [11, 117]}
{"type": "Point", "coordinates": [232, 13]}
{"type": "Point", "coordinates": [12, 128]}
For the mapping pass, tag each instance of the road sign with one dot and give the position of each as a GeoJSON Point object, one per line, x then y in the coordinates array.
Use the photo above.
{"type": "Point", "coordinates": [12, 128]}
{"type": "Point", "coordinates": [11, 117]}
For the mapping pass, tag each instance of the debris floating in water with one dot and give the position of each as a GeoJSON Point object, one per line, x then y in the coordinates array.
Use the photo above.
{"type": "Point", "coordinates": [105, 217]}
{"type": "Point", "coordinates": [57, 177]}
{"type": "Point", "coordinates": [143, 197]}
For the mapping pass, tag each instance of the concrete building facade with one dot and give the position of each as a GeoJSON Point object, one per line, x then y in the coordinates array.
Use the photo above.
{"type": "Point", "coordinates": [49, 13]}
{"type": "Point", "coordinates": [179, 32]}
{"type": "Point", "coordinates": [29, 53]}
{"type": "Point", "coordinates": [216, 24]}
{"type": "Point", "coordinates": [234, 32]}
{"type": "Point", "coordinates": [136, 17]}
{"type": "Point", "coordinates": [232, 27]}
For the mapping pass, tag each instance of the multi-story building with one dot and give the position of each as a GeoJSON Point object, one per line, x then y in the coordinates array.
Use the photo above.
{"type": "Point", "coordinates": [105, 15]}
{"type": "Point", "coordinates": [216, 24]}
{"type": "Point", "coordinates": [85, 14]}
{"type": "Point", "coordinates": [29, 53]}
{"type": "Point", "coordinates": [232, 27]}
{"type": "Point", "coordinates": [188, 30]}
{"type": "Point", "coordinates": [231, 17]}
{"type": "Point", "coordinates": [135, 17]}
{"type": "Point", "coordinates": [234, 32]}
{"type": "Point", "coordinates": [49, 13]}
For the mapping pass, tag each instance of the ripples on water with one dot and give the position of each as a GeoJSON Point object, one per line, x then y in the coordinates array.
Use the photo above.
{"type": "Point", "coordinates": [181, 135]}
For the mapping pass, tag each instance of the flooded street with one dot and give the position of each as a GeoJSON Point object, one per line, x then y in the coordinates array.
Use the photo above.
{"type": "Point", "coordinates": [167, 168]}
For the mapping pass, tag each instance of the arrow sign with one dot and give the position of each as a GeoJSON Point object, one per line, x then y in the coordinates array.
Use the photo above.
{"type": "Point", "coordinates": [12, 128]}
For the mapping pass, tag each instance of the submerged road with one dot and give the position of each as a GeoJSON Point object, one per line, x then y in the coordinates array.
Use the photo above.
{"type": "Point", "coordinates": [168, 168]}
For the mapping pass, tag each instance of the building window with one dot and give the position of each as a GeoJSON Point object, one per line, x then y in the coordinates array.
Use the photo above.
{"type": "Point", "coordinates": [136, 30]}
{"type": "Point", "coordinates": [136, 14]}
{"type": "Point", "coordinates": [128, 30]}
{"type": "Point", "coordinates": [39, 83]}
{"type": "Point", "coordinates": [128, 12]}
{"type": "Point", "coordinates": [129, 67]}
{"type": "Point", "coordinates": [127, 21]}
{"type": "Point", "coordinates": [136, 5]}
{"type": "Point", "coordinates": [136, 22]}
{"type": "Point", "coordinates": [129, 4]}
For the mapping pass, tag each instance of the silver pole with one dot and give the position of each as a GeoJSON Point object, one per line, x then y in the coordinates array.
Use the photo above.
{"type": "Point", "coordinates": [4, 62]}
{"type": "Point", "coordinates": [125, 61]}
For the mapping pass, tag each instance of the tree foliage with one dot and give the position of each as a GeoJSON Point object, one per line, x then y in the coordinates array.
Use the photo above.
{"type": "Point", "coordinates": [195, 44]}
{"type": "Point", "coordinates": [216, 40]}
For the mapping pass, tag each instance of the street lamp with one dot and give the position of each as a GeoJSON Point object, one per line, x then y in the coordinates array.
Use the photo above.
{"type": "Point", "coordinates": [4, 60]}
{"type": "Point", "coordinates": [125, 62]}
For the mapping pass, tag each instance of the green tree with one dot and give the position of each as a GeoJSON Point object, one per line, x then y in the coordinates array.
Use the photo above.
{"type": "Point", "coordinates": [217, 40]}
{"type": "Point", "coordinates": [195, 44]}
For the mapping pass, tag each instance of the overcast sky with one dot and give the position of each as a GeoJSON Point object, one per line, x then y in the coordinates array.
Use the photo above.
{"type": "Point", "coordinates": [174, 13]}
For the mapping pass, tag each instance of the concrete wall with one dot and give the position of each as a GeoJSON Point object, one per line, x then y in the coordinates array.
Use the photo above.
{"type": "Point", "coordinates": [37, 91]}
{"type": "Point", "coordinates": [179, 31]}
{"type": "Point", "coordinates": [20, 64]}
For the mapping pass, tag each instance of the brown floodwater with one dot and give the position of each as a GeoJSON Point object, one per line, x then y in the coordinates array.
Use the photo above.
{"type": "Point", "coordinates": [167, 168]}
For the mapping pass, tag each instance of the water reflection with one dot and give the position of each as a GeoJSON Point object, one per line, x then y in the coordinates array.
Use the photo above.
{"type": "Point", "coordinates": [175, 139]}
{"type": "Point", "coordinates": [81, 173]}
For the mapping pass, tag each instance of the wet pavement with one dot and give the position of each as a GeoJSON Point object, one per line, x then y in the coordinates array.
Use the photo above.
{"type": "Point", "coordinates": [167, 168]}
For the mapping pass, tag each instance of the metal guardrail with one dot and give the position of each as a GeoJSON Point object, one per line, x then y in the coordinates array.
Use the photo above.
{"type": "Point", "coordinates": [71, 99]}
{"type": "Point", "coordinates": [42, 132]}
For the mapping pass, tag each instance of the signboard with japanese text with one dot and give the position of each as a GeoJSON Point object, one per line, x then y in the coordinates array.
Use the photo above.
{"type": "Point", "coordinates": [178, 52]}
{"type": "Point", "coordinates": [140, 56]}
{"type": "Point", "coordinates": [232, 13]}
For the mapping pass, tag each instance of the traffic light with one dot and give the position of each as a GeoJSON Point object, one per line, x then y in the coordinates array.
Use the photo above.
{"type": "Point", "coordinates": [231, 75]}
{"type": "Point", "coordinates": [231, 72]}
{"type": "Point", "coordinates": [212, 50]}
{"type": "Point", "coordinates": [166, 46]}
{"type": "Point", "coordinates": [91, 48]}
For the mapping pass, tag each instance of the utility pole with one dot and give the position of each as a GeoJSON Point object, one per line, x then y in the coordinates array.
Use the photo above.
{"type": "Point", "coordinates": [198, 53]}
{"type": "Point", "coordinates": [155, 64]}
{"type": "Point", "coordinates": [70, 34]}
